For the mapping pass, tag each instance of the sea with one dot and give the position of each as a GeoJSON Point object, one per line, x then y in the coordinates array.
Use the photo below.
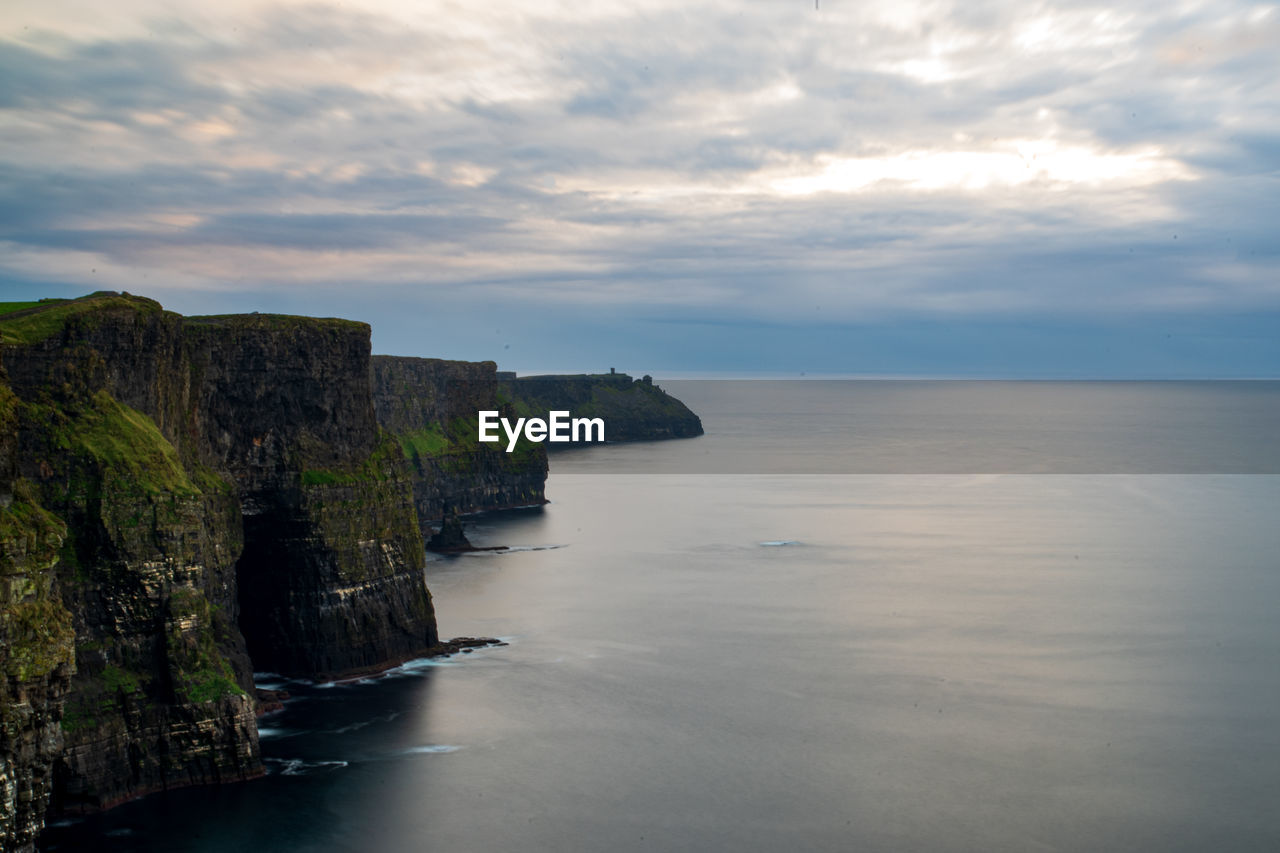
{"type": "Point", "coordinates": [852, 616]}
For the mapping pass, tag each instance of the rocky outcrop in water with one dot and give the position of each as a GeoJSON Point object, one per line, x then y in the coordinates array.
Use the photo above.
{"type": "Point", "coordinates": [451, 536]}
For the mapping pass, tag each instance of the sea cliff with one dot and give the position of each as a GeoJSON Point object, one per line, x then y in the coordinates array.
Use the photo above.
{"type": "Point", "coordinates": [632, 409]}
{"type": "Point", "coordinates": [160, 689]}
{"type": "Point", "coordinates": [37, 644]}
{"type": "Point", "coordinates": [181, 496]}
{"type": "Point", "coordinates": [187, 500]}
{"type": "Point", "coordinates": [430, 406]}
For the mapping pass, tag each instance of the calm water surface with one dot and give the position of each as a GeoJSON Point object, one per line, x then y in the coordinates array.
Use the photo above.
{"type": "Point", "coordinates": [801, 661]}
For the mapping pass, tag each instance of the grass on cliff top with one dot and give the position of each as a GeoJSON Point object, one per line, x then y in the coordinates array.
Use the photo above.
{"type": "Point", "coordinates": [10, 307]}
{"type": "Point", "coordinates": [272, 321]}
{"type": "Point", "coordinates": [122, 440]}
{"type": "Point", "coordinates": [31, 323]}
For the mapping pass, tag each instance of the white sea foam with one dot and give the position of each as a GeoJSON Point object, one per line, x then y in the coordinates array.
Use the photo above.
{"type": "Point", "coordinates": [410, 667]}
{"type": "Point", "coordinates": [299, 767]}
{"type": "Point", "coordinates": [418, 664]}
{"type": "Point", "coordinates": [271, 732]}
{"type": "Point", "coordinates": [269, 680]}
{"type": "Point", "coordinates": [777, 543]}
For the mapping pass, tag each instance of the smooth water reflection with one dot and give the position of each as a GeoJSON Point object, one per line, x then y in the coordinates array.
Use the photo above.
{"type": "Point", "coordinates": [930, 663]}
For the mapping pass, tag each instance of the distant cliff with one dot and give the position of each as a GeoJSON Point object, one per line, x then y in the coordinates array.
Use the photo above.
{"type": "Point", "coordinates": [431, 405]}
{"type": "Point", "coordinates": [632, 409]}
{"type": "Point", "coordinates": [184, 500]}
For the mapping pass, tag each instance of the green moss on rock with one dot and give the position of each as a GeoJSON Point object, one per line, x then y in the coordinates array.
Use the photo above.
{"type": "Point", "coordinates": [199, 671]}
{"type": "Point", "coordinates": [368, 501]}
{"type": "Point", "coordinates": [118, 680]}
{"type": "Point", "coordinates": [79, 716]}
{"type": "Point", "coordinates": [453, 446]}
{"type": "Point", "coordinates": [36, 636]}
{"type": "Point", "coordinates": [120, 442]}
{"type": "Point", "coordinates": [39, 636]}
{"type": "Point", "coordinates": [427, 442]}
{"type": "Point", "coordinates": [378, 466]}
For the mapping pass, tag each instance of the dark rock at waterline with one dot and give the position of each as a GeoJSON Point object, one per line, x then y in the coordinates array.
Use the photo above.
{"type": "Point", "coordinates": [447, 648]}
{"type": "Point", "coordinates": [450, 536]}
{"type": "Point", "coordinates": [465, 645]}
{"type": "Point", "coordinates": [270, 700]}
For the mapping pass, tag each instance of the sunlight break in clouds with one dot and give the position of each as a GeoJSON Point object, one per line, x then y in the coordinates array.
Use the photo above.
{"type": "Point", "coordinates": [1012, 164]}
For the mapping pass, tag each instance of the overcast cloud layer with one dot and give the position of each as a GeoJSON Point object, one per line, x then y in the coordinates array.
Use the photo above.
{"type": "Point", "coordinates": [691, 185]}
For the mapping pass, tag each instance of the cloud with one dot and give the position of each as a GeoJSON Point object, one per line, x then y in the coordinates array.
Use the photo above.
{"type": "Point", "coordinates": [760, 162]}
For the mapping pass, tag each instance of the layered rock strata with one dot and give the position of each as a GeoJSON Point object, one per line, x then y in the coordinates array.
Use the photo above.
{"type": "Point", "coordinates": [179, 496]}
{"type": "Point", "coordinates": [431, 406]}
{"type": "Point", "coordinates": [37, 644]}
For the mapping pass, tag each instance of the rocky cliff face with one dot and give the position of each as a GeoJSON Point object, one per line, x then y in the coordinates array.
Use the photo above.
{"type": "Point", "coordinates": [632, 409]}
{"type": "Point", "coordinates": [430, 406]}
{"type": "Point", "coordinates": [188, 493]}
{"type": "Point", "coordinates": [331, 578]}
{"type": "Point", "coordinates": [36, 645]}
{"type": "Point", "coordinates": [160, 696]}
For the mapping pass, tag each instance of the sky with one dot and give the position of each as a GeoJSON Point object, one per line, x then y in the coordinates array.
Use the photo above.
{"type": "Point", "coordinates": [680, 188]}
